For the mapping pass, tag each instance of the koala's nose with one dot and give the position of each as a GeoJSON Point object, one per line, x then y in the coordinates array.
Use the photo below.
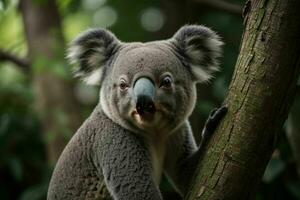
{"type": "Point", "coordinates": [144, 92]}
{"type": "Point", "coordinates": [144, 104]}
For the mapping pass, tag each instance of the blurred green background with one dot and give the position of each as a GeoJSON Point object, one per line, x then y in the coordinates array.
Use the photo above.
{"type": "Point", "coordinates": [41, 106]}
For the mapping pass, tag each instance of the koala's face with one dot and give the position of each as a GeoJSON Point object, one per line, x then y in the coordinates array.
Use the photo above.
{"type": "Point", "coordinates": [148, 87]}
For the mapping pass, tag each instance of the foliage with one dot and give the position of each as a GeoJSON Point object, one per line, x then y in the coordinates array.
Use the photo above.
{"type": "Point", "coordinates": [23, 168]}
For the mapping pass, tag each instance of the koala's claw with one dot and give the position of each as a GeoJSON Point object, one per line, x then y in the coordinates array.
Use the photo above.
{"type": "Point", "coordinates": [218, 113]}
{"type": "Point", "coordinates": [213, 120]}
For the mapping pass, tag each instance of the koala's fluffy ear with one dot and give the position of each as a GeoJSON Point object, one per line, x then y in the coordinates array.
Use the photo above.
{"type": "Point", "coordinates": [90, 52]}
{"type": "Point", "coordinates": [200, 48]}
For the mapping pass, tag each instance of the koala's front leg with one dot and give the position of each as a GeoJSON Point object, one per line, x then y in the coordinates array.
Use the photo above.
{"type": "Point", "coordinates": [190, 163]}
{"type": "Point", "coordinates": [183, 154]}
{"type": "Point", "coordinates": [126, 166]}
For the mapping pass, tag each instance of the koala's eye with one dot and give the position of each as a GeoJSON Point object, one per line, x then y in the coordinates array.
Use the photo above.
{"type": "Point", "coordinates": [123, 84]}
{"type": "Point", "coordinates": [166, 82]}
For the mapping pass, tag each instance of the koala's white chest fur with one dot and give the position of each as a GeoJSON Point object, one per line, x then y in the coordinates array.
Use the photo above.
{"type": "Point", "coordinates": [157, 152]}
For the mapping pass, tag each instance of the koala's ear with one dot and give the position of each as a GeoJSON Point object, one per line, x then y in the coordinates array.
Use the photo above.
{"type": "Point", "coordinates": [200, 48]}
{"type": "Point", "coordinates": [90, 52]}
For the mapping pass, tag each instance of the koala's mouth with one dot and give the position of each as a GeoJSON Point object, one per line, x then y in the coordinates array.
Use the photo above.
{"type": "Point", "coordinates": [149, 121]}
{"type": "Point", "coordinates": [143, 118]}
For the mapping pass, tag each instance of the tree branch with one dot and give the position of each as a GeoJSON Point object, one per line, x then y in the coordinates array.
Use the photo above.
{"type": "Point", "coordinates": [20, 62]}
{"type": "Point", "coordinates": [222, 5]}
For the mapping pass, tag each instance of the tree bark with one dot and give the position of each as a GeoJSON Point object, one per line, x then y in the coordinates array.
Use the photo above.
{"type": "Point", "coordinates": [54, 99]}
{"type": "Point", "coordinates": [259, 98]}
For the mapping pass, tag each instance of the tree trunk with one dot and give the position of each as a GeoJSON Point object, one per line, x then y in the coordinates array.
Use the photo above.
{"type": "Point", "coordinates": [171, 8]}
{"type": "Point", "coordinates": [53, 91]}
{"type": "Point", "coordinates": [259, 97]}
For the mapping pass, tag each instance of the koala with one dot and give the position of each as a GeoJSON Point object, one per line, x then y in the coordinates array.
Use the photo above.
{"type": "Point", "coordinates": [139, 129]}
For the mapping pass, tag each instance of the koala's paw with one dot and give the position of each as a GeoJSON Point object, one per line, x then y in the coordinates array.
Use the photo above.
{"type": "Point", "coordinates": [213, 121]}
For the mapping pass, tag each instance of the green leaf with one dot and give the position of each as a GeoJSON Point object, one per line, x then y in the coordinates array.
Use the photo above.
{"type": "Point", "coordinates": [36, 192]}
{"type": "Point", "coordinates": [274, 169]}
{"type": "Point", "coordinates": [16, 168]}
{"type": "Point", "coordinates": [294, 188]}
{"type": "Point", "coordinates": [3, 4]}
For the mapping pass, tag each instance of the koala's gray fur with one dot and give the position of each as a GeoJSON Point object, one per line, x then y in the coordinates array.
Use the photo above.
{"type": "Point", "coordinates": [123, 151]}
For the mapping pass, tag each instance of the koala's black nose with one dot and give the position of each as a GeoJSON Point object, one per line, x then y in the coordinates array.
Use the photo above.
{"type": "Point", "coordinates": [144, 92]}
{"type": "Point", "coordinates": [144, 104]}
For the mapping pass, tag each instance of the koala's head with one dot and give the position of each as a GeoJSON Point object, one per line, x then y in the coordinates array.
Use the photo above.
{"type": "Point", "coordinates": [148, 87]}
